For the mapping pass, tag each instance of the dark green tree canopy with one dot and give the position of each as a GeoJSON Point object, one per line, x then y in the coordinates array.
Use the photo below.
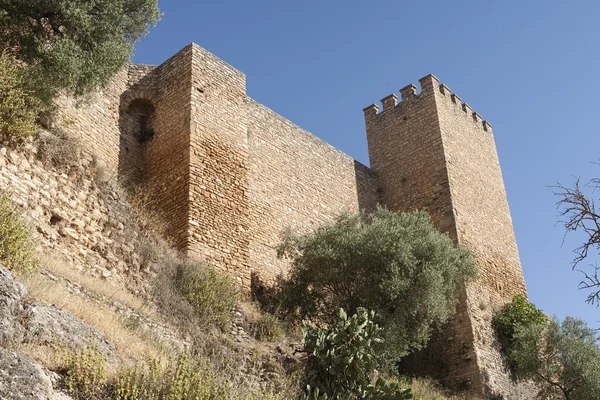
{"type": "Point", "coordinates": [398, 265]}
{"type": "Point", "coordinates": [74, 45]}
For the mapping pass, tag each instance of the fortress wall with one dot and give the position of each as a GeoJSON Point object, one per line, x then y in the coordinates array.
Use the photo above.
{"type": "Point", "coordinates": [298, 181]}
{"type": "Point", "coordinates": [167, 154]}
{"type": "Point", "coordinates": [218, 219]}
{"type": "Point", "coordinates": [95, 122]}
{"type": "Point", "coordinates": [484, 226]}
{"type": "Point", "coordinates": [407, 152]}
{"type": "Point", "coordinates": [482, 214]}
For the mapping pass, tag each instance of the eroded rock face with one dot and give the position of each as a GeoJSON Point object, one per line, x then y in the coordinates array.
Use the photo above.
{"type": "Point", "coordinates": [47, 324]}
{"type": "Point", "coordinates": [12, 294]}
{"type": "Point", "coordinates": [21, 378]}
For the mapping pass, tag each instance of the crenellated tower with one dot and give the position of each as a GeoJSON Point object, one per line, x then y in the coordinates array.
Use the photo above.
{"type": "Point", "coordinates": [432, 152]}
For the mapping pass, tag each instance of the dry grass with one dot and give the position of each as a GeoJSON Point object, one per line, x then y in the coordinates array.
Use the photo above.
{"type": "Point", "coordinates": [54, 263]}
{"type": "Point", "coordinates": [427, 389]}
{"type": "Point", "coordinates": [59, 149]}
{"type": "Point", "coordinates": [51, 357]}
{"type": "Point", "coordinates": [128, 344]}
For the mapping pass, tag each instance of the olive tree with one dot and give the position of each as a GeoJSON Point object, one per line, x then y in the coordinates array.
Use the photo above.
{"type": "Point", "coordinates": [398, 265]}
{"type": "Point", "coordinates": [74, 45]}
{"type": "Point", "coordinates": [562, 358]}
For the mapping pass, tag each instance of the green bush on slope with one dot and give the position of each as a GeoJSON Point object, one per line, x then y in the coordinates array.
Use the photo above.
{"type": "Point", "coordinates": [17, 248]}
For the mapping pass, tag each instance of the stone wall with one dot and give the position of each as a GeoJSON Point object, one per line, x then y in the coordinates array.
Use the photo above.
{"type": "Point", "coordinates": [95, 121]}
{"type": "Point", "coordinates": [296, 181]}
{"type": "Point", "coordinates": [484, 226]}
{"type": "Point", "coordinates": [168, 87]}
{"type": "Point", "coordinates": [218, 230]}
{"type": "Point", "coordinates": [78, 222]}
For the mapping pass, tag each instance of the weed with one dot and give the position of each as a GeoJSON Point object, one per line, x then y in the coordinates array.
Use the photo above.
{"type": "Point", "coordinates": [86, 373]}
{"type": "Point", "coordinates": [179, 378]}
{"type": "Point", "coordinates": [212, 294]}
{"type": "Point", "coordinates": [17, 249]}
{"type": "Point", "coordinates": [266, 328]}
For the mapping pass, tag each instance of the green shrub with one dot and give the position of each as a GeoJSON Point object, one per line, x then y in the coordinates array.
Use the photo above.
{"type": "Point", "coordinates": [212, 294]}
{"type": "Point", "coordinates": [517, 314]}
{"type": "Point", "coordinates": [341, 360]}
{"type": "Point", "coordinates": [267, 328]}
{"type": "Point", "coordinates": [17, 249]}
{"type": "Point", "coordinates": [85, 373]}
{"type": "Point", "coordinates": [179, 378]}
{"type": "Point", "coordinates": [383, 262]}
{"type": "Point", "coordinates": [19, 108]}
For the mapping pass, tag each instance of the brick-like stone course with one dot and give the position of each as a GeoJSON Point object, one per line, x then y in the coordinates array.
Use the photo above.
{"type": "Point", "coordinates": [219, 211]}
{"type": "Point", "coordinates": [296, 181]}
{"type": "Point", "coordinates": [230, 175]}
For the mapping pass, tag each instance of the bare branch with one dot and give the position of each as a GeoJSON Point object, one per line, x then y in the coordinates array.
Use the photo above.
{"type": "Point", "coordinates": [578, 212]}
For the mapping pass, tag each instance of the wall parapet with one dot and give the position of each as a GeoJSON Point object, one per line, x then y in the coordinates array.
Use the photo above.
{"type": "Point", "coordinates": [429, 83]}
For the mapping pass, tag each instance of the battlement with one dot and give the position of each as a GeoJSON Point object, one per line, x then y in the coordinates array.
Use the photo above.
{"type": "Point", "coordinates": [428, 84]}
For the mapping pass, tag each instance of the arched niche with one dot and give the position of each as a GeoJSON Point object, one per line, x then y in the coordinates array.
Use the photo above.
{"type": "Point", "coordinates": [137, 131]}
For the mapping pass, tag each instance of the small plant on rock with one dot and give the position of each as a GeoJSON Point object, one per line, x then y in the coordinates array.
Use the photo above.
{"type": "Point", "coordinates": [341, 360]}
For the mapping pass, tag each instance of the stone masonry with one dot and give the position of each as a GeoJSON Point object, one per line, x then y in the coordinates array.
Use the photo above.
{"type": "Point", "coordinates": [230, 175]}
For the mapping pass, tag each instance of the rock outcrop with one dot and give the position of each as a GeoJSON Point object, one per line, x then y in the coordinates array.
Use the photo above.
{"type": "Point", "coordinates": [23, 379]}
{"type": "Point", "coordinates": [12, 294]}
{"type": "Point", "coordinates": [47, 324]}
{"type": "Point", "coordinates": [40, 323]}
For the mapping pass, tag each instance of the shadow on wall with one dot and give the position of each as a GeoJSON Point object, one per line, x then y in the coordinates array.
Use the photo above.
{"type": "Point", "coordinates": [136, 125]}
{"type": "Point", "coordinates": [367, 187]}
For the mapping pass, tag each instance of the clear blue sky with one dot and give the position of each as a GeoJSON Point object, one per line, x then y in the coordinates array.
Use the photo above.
{"type": "Point", "coordinates": [530, 68]}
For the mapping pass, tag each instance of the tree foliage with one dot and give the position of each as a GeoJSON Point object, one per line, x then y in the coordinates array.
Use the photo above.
{"type": "Point", "coordinates": [517, 314]}
{"type": "Point", "coordinates": [398, 265]}
{"type": "Point", "coordinates": [341, 360]}
{"type": "Point", "coordinates": [578, 209]}
{"type": "Point", "coordinates": [19, 107]}
{"type": "Point", "coordinates": [74, 45]}
{"type": "Point", "coordinates": [562, 358]}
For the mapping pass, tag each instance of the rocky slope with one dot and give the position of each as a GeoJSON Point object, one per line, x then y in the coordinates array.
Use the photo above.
{"type": "Point", "coordinates": [22, 322]}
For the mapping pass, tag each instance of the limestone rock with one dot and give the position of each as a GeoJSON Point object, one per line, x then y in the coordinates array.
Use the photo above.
{"type": "Point", "coordinates": [12, 293]}
{"type": "Point", "coordinates": [23, 379]}
{"type": "Point", "coordinates": [49, 325]}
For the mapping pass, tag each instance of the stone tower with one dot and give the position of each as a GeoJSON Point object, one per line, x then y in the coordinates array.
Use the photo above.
{"type": "Point", "coordinates": [432, 152]}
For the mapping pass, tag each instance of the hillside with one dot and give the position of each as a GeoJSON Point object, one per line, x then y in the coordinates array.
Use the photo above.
{"type": "Point", "coordinates": [105, 294]}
